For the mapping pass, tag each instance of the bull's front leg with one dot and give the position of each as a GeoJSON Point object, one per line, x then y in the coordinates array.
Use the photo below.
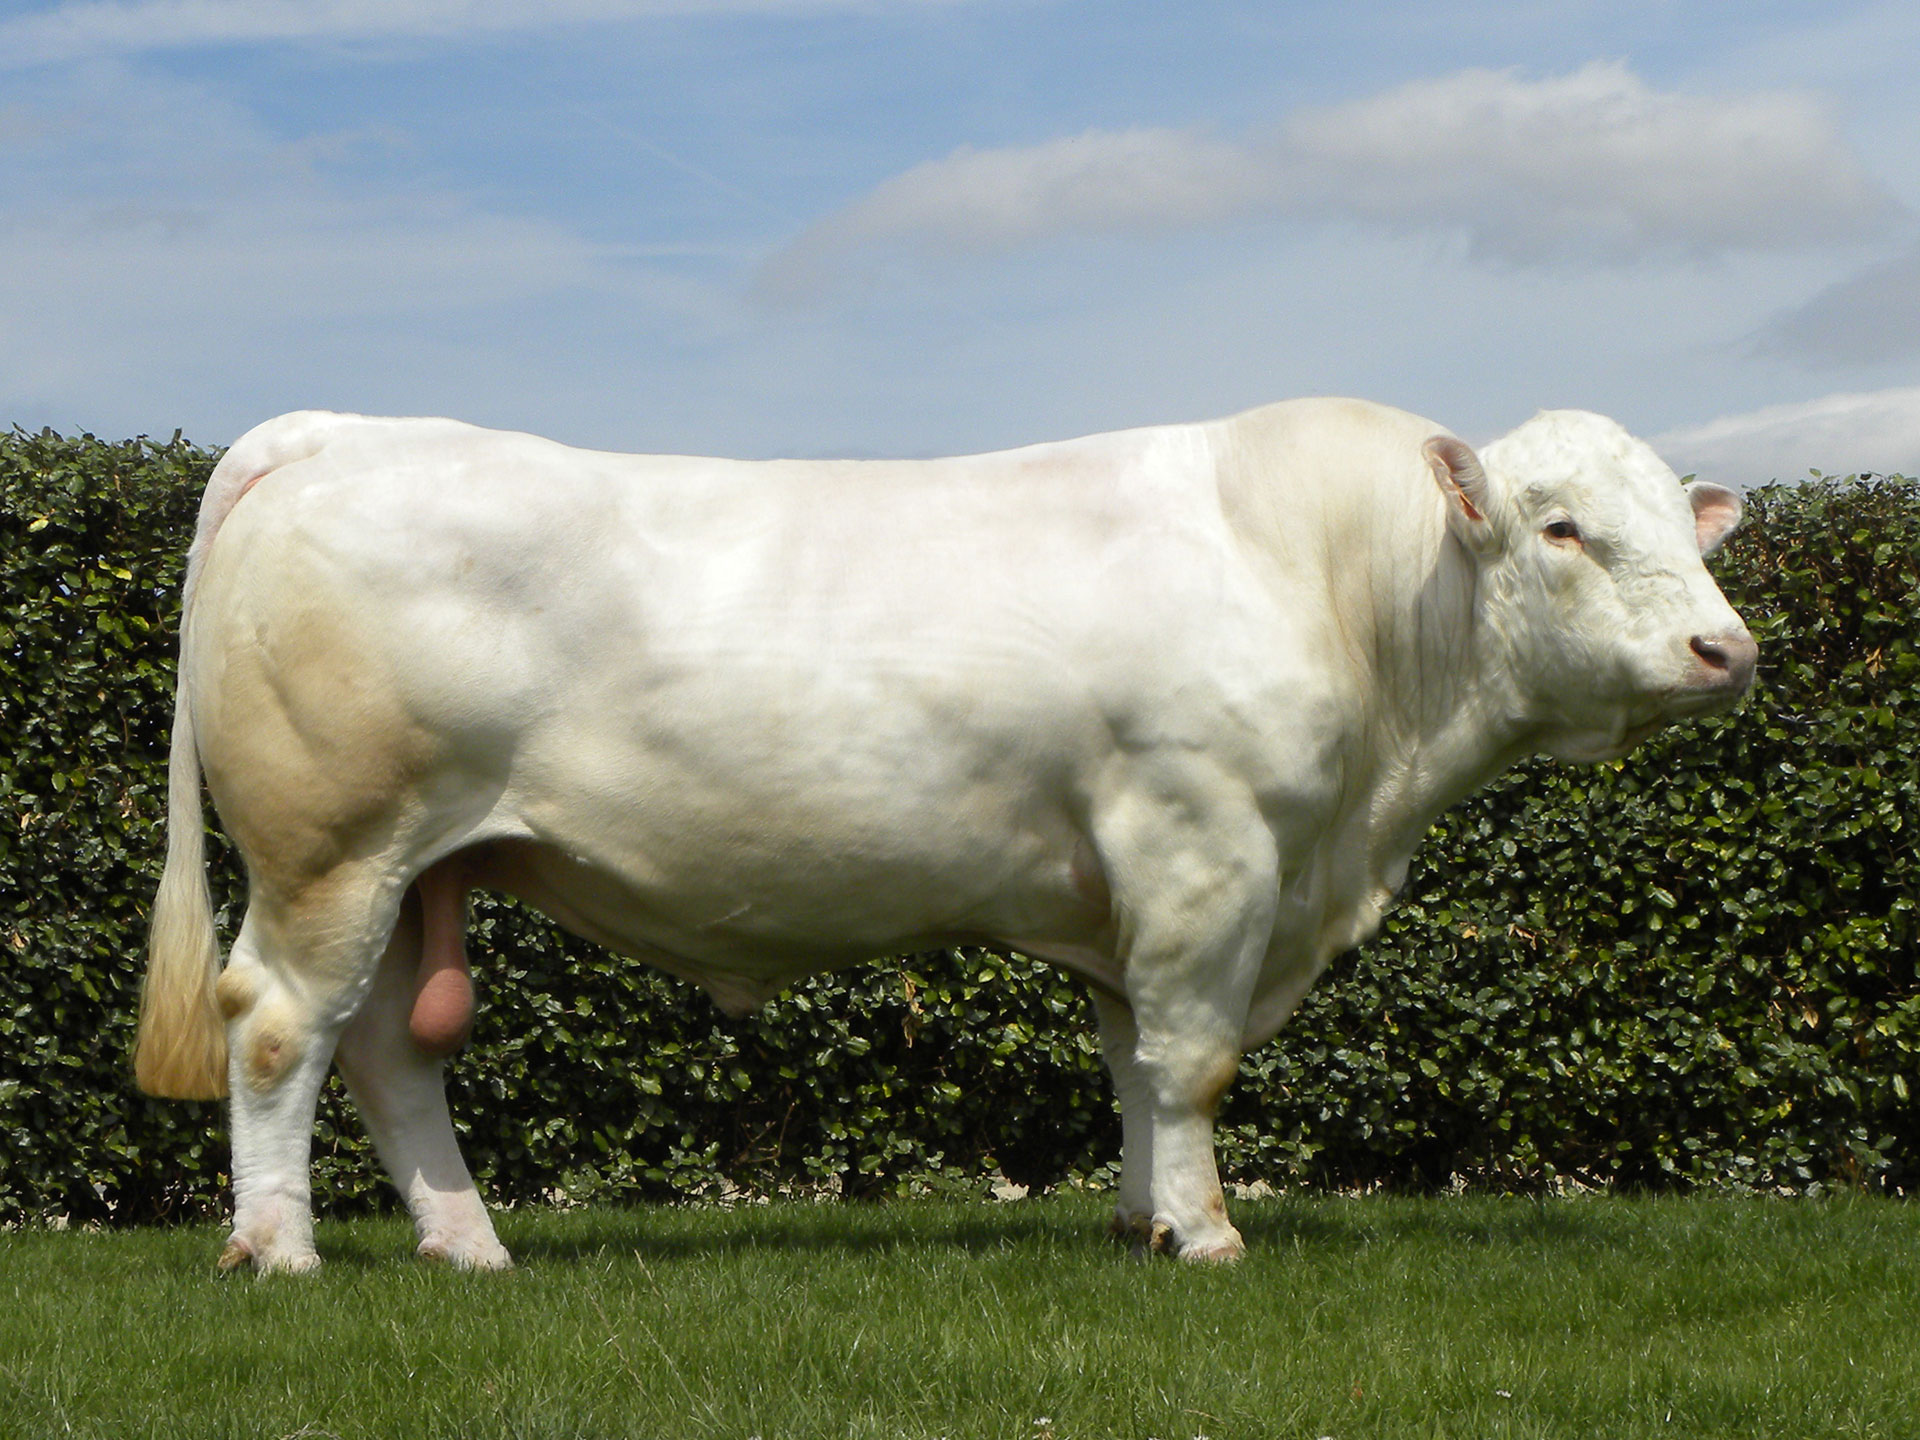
{"type": "Point", "coordinates": [1195, 939]}
{"type": "Point", "coordinates": [1170, 1198]}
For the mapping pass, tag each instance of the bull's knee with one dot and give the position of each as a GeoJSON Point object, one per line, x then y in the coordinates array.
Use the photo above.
{"type": "Point", "coordinates": [237, 990]}
{"type": "Point", "coordinates": [1209, 1084]}
{"type": "Point", "coordinates": [273, 1040]}
{"type": "Point", "coordinates": [266, 1031]}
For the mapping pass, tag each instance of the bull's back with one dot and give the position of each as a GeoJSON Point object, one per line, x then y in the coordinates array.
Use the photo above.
{"type": "Point", "coordinates": [701, 673]}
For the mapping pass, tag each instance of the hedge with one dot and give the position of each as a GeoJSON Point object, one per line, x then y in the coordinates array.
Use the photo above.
{"type": "Point", "coordinates": [1695, 967]}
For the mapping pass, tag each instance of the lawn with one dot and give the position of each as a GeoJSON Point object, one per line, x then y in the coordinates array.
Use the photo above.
{"type": "Point", "coordinates": [1353, 1318]}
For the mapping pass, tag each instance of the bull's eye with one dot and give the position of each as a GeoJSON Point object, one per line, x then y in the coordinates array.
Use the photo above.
{"type": "Point", "coordinates": [1563, 530]}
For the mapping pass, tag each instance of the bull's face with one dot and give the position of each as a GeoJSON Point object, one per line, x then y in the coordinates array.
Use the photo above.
{"type": "Point", "coordinates": [1591, 556]}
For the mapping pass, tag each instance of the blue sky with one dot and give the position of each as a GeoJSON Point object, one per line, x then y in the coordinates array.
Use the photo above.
{"type": "Point", "coordinates": [912, 227]}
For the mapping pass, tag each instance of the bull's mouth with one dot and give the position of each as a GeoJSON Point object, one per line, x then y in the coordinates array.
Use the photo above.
{"type": "Point", "coordinates": [1708, 695]}
{"type": "Point", "coordinates": [1647, 720]}
{"type": "Point", "coordinates": [1612, 746]}
{"type": "Point", "coordinates": [1595, 745]}
{"type": "Point", "coordinates": [1643, 732]}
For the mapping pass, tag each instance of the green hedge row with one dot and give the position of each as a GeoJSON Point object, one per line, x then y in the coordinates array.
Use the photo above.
{"type": "Point", "coordinates": [1697, 967]}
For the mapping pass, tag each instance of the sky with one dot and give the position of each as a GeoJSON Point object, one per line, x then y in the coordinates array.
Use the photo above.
{"type": "Point", "coordinates": [919, 227]}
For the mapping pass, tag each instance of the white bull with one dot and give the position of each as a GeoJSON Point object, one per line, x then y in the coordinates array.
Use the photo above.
{"type": "Point", "coordinates": [1170, 708]}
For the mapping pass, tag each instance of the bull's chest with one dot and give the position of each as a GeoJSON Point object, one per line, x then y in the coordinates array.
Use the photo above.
{"type": "Point", "coordinates": [1327, 905]}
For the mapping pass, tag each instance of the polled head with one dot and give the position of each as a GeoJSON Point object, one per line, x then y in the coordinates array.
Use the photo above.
{"type": "Point", "coordinates": [1591, 553]}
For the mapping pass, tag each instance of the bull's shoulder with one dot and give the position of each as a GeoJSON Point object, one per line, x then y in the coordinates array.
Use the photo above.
{"type": "Point", "coordinates": [1338, 420]}
{"type": "Point", "coordinates": [1316, 459]}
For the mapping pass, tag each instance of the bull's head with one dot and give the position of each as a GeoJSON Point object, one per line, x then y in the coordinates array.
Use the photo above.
{"type": "Point", "coordinates": [1590, 555]}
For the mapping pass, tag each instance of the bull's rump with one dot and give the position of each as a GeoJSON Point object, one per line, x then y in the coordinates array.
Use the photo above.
{"type": "Point", "coordinates": [759, 717]}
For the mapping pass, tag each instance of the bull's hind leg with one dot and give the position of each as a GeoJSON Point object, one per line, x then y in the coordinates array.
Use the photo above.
{"type": "Point", "coordinates": [297, 973]}
{"type": "Point", "coordinates": [398, 1084]}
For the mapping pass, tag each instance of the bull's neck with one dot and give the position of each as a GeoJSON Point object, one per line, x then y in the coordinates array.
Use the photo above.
{"type": "Point", "coordinates": [1444, 712]}
{"type": "Point", "coordinates": [1361, 543]}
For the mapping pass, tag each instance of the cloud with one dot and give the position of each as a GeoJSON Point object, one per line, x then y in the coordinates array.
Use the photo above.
{"type": "Point", "coordinates": [1870, 317]}
{"type": "Point", "coordinates": [1595, 166]}
{"type": "Point", "coordinates": [121, 181]}
{"type": "Point", "coordinates": [79, 29]}
{"type": "Point", "coordinates": [191, 253]}
{"type": "Point", "coordinates": [1878, 431]}
{"type": "Point", "coordinates": [1594, 163]}
{"type": "Point", "coordinates": [984, 200]}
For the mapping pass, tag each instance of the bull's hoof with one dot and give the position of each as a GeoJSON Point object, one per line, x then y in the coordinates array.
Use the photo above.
{"type": "Point", "coordinates": [240, 1253]}
{"type": "Point", "coordinates": [488, 1255]}
{"type": "Point", "coordinates": [1227, 1250]}
{"type": "Point", "coordinates": [1147, 1237]}
{"type": "Point", "coordinates": [1134, 1231]}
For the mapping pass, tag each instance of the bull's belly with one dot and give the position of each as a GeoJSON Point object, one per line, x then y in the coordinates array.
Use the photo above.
{"type": "Point", "coordinates": [745, 915]}
{"type": "Point", "coordinates": [729, 820]}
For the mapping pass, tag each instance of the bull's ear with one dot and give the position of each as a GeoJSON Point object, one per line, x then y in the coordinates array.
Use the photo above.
{"type": "Point", "coordinates": [1461, 479]}
{"type": "Point", "coordinates": [1716, 511]}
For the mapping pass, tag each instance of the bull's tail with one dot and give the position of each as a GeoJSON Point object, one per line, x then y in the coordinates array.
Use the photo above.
{"type": "Point", "coordinates": [181, 1050]}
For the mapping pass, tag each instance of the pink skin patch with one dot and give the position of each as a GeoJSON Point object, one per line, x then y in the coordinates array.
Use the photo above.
{"type": "Point", "coordinates": [443, 992]}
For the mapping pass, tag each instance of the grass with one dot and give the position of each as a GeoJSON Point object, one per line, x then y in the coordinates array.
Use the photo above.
{"type": "Point", "coordinates": [1351, 1318]}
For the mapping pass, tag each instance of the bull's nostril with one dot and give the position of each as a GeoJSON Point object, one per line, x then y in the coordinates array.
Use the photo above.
{"type": "Point", "coordinates": [1727, 660]}
{"type": "Point", "coordinates": [1711, 651]}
